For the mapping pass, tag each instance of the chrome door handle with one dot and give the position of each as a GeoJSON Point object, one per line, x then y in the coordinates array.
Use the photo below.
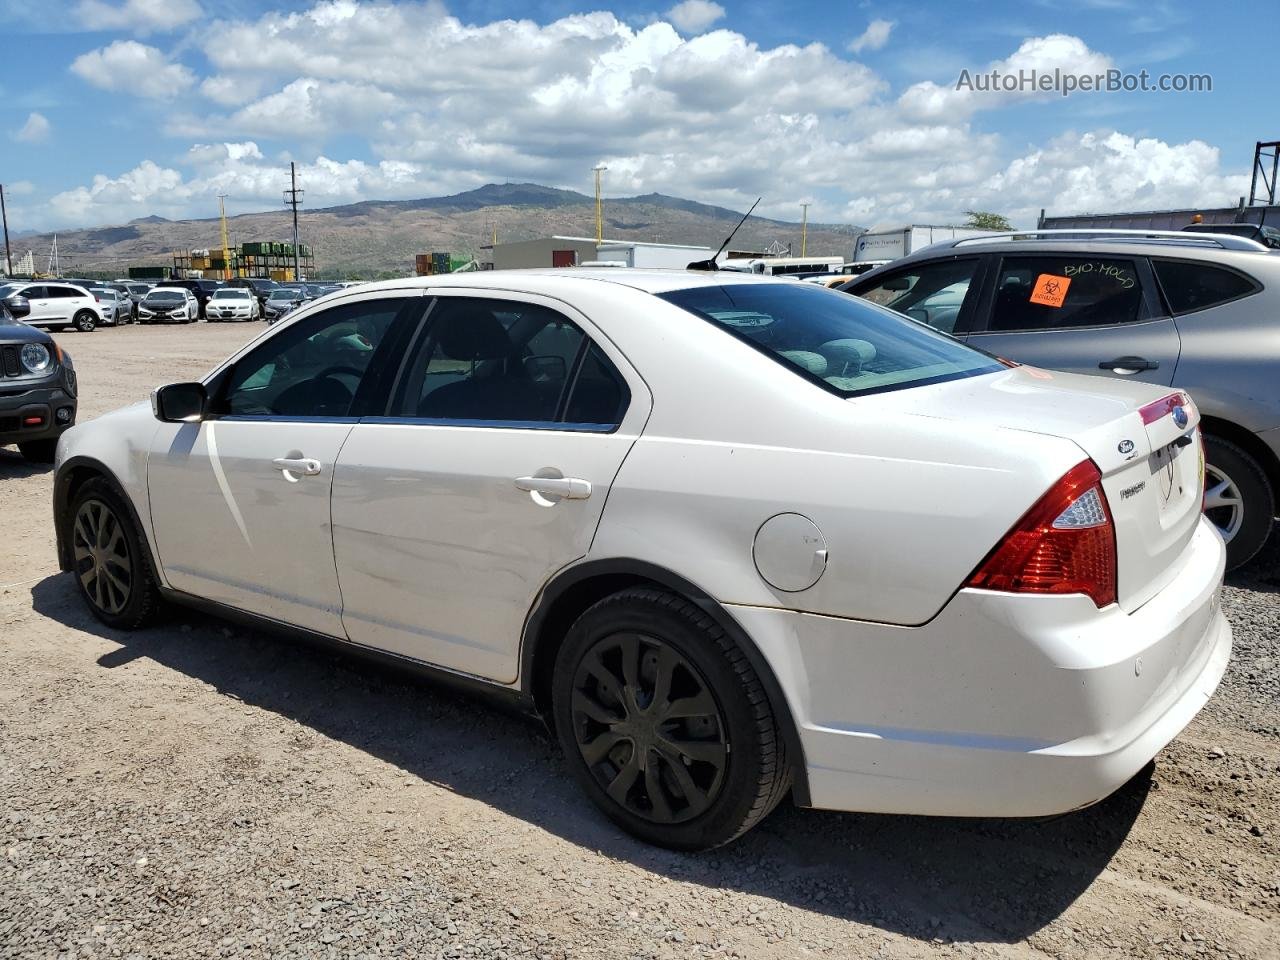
{"type": "Point", "coordinates": [566, 488]}
{"type": "Point", "coordinates": [292, 468]}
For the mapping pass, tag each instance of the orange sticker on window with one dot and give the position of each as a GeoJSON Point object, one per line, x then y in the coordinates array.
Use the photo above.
{"type": "Point", "coordinates": [1050, 290]}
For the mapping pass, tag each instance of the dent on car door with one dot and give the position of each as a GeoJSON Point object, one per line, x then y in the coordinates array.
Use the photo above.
{"type": "Point", "coordinates": [240, 501]}
{"type": "Point", "coordinates": [487, 475]}
{"type": "Point", "coordinates": [1097, 315]}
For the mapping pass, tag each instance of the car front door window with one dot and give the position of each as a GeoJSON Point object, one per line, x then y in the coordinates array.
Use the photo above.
{"type": "Point", "coordinates": [313, 369]}
{"type": "Point", "coordinates": [932, 293]}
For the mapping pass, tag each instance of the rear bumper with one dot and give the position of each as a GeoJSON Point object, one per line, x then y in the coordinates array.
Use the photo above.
{"type": "Point", "coordinates": [1004, 705]}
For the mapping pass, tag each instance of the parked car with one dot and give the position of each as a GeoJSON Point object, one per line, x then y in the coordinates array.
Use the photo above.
{"type": "Point", "coordinates": [115, 308]}
{"type": "Point", "coordinates": [202, 289]}
{"type": "Point", "coordinates": [56, 304]}
{"type": "Point", "coordinates": [162, 304]}
{"type": "Point", "coordinates": [883, 571]}
{"type": "Point", "coordinates": [136, 290]}
{"type": "Point", "coordinates": [37, 384]}
{"type": "Point", "coordinates": [283, 300]}
{"type": "Point", "coordinates": [1195, 313]}
{"type": "Point", "coordinates": [233, 303]}
{"type": "Point", "coordinates": [260, 286]}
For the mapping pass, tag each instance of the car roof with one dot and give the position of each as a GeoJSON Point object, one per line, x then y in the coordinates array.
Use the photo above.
{"type": "Point", "coordinates": [547, 279]}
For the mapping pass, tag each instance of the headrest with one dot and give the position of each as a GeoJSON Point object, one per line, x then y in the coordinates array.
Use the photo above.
{"type": "Point", "coordinates": [815, 363]}
{"type": "Point", "coordinates": [847, 356]}
{"type": "Point", "coordinates": [472, 335]}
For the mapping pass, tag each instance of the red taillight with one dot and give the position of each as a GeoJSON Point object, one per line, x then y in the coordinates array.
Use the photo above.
{"type": "Point", "coordinates": [1163, 407]}
{"type": "Point", "coordinates": [1066, 543]}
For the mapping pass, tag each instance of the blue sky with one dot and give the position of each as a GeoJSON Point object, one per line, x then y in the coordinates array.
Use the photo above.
{"type": "Point", "coordinates": [134, 107]}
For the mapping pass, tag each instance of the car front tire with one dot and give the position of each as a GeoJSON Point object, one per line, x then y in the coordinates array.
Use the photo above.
{"type": "Point", "coordinates": [664, 722]}
{"type": "Point", "coordinates": [1239, 500]}
{"type": "Point", "coordinates": [110, 560]}
{"type": "Point", "coordinates": [39, 451]}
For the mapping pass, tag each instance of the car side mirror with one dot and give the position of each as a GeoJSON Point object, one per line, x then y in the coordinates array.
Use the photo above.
{"type": "Point", "coordinates": [18, 306]}
{"type": "Point", "coordinates": [179, 402]}
{"type": "Point", "coordinates": [546, 369]}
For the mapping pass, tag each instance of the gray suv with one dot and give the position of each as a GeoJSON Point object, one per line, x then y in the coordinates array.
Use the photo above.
{"type": "Point", "coordinates": [1198, 312]}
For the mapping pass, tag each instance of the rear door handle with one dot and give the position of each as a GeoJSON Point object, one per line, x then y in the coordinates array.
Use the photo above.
{"type": "Point", "coordinates": [566, 488]}
{"type": "Point", "coordinates": [1129, 364]}
{"type": "Point", "coordinates": [293, 468]}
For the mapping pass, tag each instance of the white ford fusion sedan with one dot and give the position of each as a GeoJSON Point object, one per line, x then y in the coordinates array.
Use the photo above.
{"type": "Point", "coordinates": [734, 537]}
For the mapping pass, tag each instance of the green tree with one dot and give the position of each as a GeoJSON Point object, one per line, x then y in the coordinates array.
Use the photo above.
{"type": "Point", "coordinates": [985, 220]}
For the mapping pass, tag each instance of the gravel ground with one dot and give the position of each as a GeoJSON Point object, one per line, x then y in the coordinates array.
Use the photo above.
{"type": "Point", "coordinates": [199, 790]}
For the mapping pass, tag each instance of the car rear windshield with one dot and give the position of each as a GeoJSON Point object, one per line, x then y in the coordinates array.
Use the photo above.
{"type": "Point", "coordinates": [838, 341]}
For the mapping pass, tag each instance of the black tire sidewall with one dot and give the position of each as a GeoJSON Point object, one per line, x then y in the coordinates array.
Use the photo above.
{"type": "Point", "coordinates": [731, 809]}
{"type": "Point", "coordinates": [1256, 494]}
{"type": "Point", "coordinates": [142, 594]}
{"type": "Point", "coordinates": [39, 451]}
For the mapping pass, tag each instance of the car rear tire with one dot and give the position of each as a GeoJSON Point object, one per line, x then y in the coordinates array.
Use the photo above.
{"type": "Point", "coordinates": [110, 560]}
{"type": "Point", "coordinates": [39, 451]}
{"type": "Point", "coordinates": [665, 724]}
{"type": "Point", "coordinates": [1238, 499]}
{"type": "Point", "coordinates": [84, 321]}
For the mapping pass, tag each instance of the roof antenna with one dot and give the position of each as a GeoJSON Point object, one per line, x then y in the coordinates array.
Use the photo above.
{"type": "Point", "coordinates": [711, 264]}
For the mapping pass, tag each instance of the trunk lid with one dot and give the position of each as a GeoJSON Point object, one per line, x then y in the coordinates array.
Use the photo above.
{"type": "Point", "coordinates": [1144, 440]}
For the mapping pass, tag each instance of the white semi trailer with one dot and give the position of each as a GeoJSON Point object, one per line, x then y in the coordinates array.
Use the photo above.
{"type": "Point", "coordinates": [890, 243]}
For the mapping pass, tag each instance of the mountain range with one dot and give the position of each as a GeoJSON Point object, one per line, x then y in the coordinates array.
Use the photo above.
{"type": "Point", "coordinates": [381, 237]}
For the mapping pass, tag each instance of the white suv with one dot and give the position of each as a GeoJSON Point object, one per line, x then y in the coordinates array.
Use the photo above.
{"type": "Point", "coordinates": [734, 537]}
{"type": "Point", "coordinates": [56, 305]}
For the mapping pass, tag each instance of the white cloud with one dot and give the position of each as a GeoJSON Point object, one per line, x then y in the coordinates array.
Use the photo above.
{"type": "Point", "coordinates": [236, 169]}
{"type": "Point", "coordinates": [136, 16]}
{"type": "Point", "coordinates": [874, 37]}
{"type": "Point", "coordinates": [694, 16]}
{"type": "Point", "coordinates": [1043, 55]}
{"type": "Point", "coordinates": [35, 130]}
{"type": "Point", "coordinates": [441, 106]}
{"type": "Point", "coordinates": [134, 67]}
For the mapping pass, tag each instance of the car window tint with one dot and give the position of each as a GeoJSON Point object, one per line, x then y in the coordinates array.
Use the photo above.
{"type": "Point", "coordinates": [493, 360]}
{"type": "Point", "coordinates": [1054, 292]}
{"type": "Point", "coordinates": [1190, 286]}
{"type": "Point", "coordinates": [932, 293]}
{"type": "Point", "coordinates": [599, 394]}
{"type": "Point", "coordinates": [313, 368]}
{"type": "Point", "coordinates": [839, 342]}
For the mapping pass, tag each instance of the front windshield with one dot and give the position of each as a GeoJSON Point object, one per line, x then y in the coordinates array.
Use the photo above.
{"type": "Point", "coordinates": [283, 294]}
{"type": "Point", "coordinates": [165, 296]}
{"type": "Point", "coordinates": [233, 293]}
{"type": "Point", "coordinates": [838, 341]}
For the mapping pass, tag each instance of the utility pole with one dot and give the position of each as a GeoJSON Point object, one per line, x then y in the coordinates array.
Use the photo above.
{"type": "Point", "coordinates": [226, 247]}
{"type": "Point", "coordinates": [4, 215]}
{"type": "Point", "coordinates": [599, 168]}
{"type": "Point", "coordinates": [804, 230]}
{"type": "Point", "coordinates": [293, 197]}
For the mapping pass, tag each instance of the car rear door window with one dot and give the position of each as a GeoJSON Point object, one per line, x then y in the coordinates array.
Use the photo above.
{"type": "Point", "coordinates": [1189, 286]}
{"type": "Point", "coordinates": [1056, 292]}
{"type": "Point", "coordinates": [932, 292]}
{"type": "Point", "coordinates": [315, 369]}
{"type": "Point", "coordinates": [501, 362]}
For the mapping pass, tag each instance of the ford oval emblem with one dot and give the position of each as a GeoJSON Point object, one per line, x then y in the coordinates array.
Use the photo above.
{"type": "Point", "coordinates": [1180, 417]}
{"type": "Point", "coordinates": [1126, 446]}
